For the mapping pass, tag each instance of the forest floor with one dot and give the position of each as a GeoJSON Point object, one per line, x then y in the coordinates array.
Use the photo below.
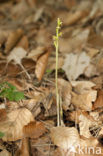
{"type": "Point", "coordinates": [28, 104]}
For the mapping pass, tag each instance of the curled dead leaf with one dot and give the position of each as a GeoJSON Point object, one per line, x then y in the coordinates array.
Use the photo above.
{"type": "Point", "coordinates": [40, 145]}
{"type": "Point", "coordinates": [36, 53]}
{"type": "Point", "coordinates": [12, 127]}
{"type": "Point", "coordinates": [13, 70]}
{"type": "Point", "coordinates": [84, 101]}
{"type": "Point", "coordinates": [23, 43]}
{"type": "Point", "coordinates": [33, 105]}
{"type": "Point", "coordinates": [13, 38]}
{"type": "Point", "coordinates": [3, 114]}
{"type": "Point", "coordinates": [65, 137]}
{"type": "Point", "coordinates": [82, 86]}
{"type": "Point", "coordinates": [41, 65]}
{"type": "Point", "coordinates": [34, 129]}
{"type": "Point", "coordinates": [69, 3]}
{"type": "Point", "coordinates": [75, 65]}
{"type": "Point", "coordinates": [66, 45]}
{"type": "Point", "coordinates": [72, 18]}
{"type": "Point", "coordinates": [99, 101]}
{"type": "Point", "coordinates": [25, 147]}
{"type": "Point", "coordinates": [3, 36]}
{"type": "Point", "coordinates": [17, 54]}
{"type": "Point", "coordinates": [85, 124]}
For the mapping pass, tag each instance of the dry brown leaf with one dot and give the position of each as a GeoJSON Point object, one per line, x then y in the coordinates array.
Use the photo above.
{"type": "Point", "coordinates": [84, 101]}
{"type": "Point", "coordinates": [3, 36]}
{"type": "Point", "coordinates": [17, 54]}
{"type": "Point", "coordinates": [74, 115]}
{"type": "Point", "coordinates": [72, 18]}
{"type": "Point", "coordinates": [25, 147]}
{"type": "Point", "coordinates": [99, 101]}
{"type": "Point", "coordinates": [10, 70]}
{"type": "Point", "coordinates": [28, 64]}
{"type": "Point", "coordinates": [43, 37]}
{"type": "Point", "coordinates": [98, 26]}
{"type": "Point", "coordinates": [41, 65]}
{"type": "Point", "coordinates": [42, 145]}
{"type": "Point", "coordinates": [34, 129]}
{"type": "Point", "coordinates": [23, 43]}
{"type": "Point", "coordinates": [91, 71]}
{"type": "Point", "coordinates": [65, 137]}
{"type": "Point", "coordinates": [100, 135]}
{"type": "Point", "coordinates": [98, 62]}
{"type": "Point", "coordinates": [13, 125]}
{"type": "Point", "coordinates": [4, 152]}
{"type": "Point", "coordinates": [13, 38]}
{"type": "Point", "coordinates": [84, 125]}
{"type": "Point", "coordinates": [92, 52]}
{"type": "Point", "coordinates": [98, 82]}
{"type": "Point", "coordinates": [52, 111]}
{"type": "Point", "coordinates": [35, 53]}
{"type": "Point", "coordinates": [70, 3]}
{"type": "Point", "coordinates": [16, 10]}
{"type": "Point", "coordinates": [3, 114]}
{"type": "Point", "coordinates": [58, 152]}
{"type": "Point", "coordinates": [32, 3]}
{"type": "Point", "coordinates": [75, 65]}
{"type": "Point", "coordinates": [82, 86]}
{"type": "Point", "coordinates": [94, 115]}
{"type": "Point", "coordinates": [99, 65]}
{"type": "Point", "coordinates": [65, 92]}
{"type": "Point", "coordinates": [95, 40]}
{"type": "Point", "coordinates": [47, 103]}
{"type": "Point", "coordinates": [13, 70]}
{"type": "Point", "coordinates": [66, 45]}
{"type": "Point", "coordinates": [33, 105]}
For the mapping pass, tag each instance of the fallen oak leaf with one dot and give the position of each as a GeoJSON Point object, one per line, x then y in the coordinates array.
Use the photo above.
{"type": "Point", "coordinates": [85, 85]}
{"type": "Point", "coordinates": [75, 65]}
{"type": "Point", "coordinates": [99, 101]}
{"type": "Point", "coordinates": [74, 17]}
{"type": "Point", "coordinates": [3, 37]}
{"type": "Point", "coordinates": [13, 39]}
{"type": "Point", "coordinates": [12, 127]}
{"type": "Point", "coordinates": [34, 129]}
{"type": "Point", "coordinates": [85, 126]}
{"type": "Point", "coordinates": [3, 114]}
{"type": "Point", "coordinates": [23, 43]}
{"type": "Point", "coordinates": [41, 65]}
{"type": "Point", "coordinates": [84, 101]}
{"type": "Point", "coordinates": [65, 137]}
{"type": "Point", "coordinates": [34, 54]}
{"type": "Point", "coordinates": [24, 151]}
{"type": "Point", "coordinates": [17, 54]}
{"type": "Point", "coordinates": [66, 45]}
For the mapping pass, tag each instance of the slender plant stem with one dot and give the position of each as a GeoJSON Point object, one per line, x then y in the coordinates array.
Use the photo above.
{"type": "Point", "coordinates": [56, 79]}
{"type": "Point", "coordinates": [56, 43]}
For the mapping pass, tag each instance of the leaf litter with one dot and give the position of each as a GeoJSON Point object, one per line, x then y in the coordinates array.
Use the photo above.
{"type": "Point", "coordinates": [27, 61]}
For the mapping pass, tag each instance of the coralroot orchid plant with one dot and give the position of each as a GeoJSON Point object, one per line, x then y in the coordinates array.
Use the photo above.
{"type": "Point", "coordinates": [56, 44]}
